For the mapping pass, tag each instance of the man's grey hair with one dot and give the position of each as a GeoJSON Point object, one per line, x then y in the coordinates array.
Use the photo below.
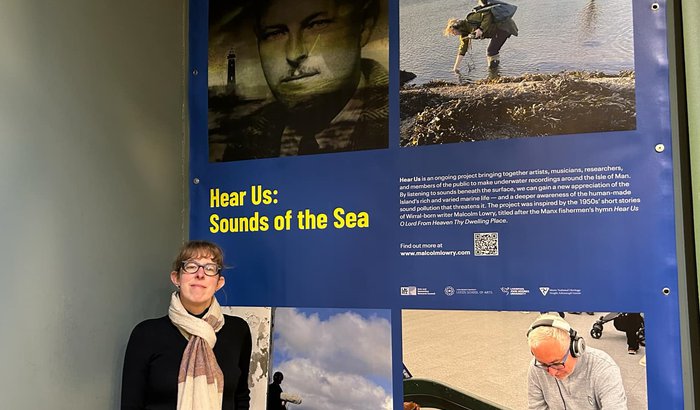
{"type": "Point", "coordinates": [542, 333]}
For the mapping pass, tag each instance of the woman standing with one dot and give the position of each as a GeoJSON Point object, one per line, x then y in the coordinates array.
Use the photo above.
{"type": "Point", "coordinates": [195, 357]}
{"type": "Point", "coordinates": [489, 19]}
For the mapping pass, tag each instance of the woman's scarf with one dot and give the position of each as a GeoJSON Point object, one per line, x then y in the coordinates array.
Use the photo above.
{"type": "Point", "coordinates": [200, 383]}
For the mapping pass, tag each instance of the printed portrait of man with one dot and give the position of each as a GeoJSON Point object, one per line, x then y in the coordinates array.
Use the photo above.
{"type": "Point", "coordinates": [324, 90]}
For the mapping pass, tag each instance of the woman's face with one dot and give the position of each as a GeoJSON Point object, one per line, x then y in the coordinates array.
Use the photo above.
{"type": "Point", "coordinates": [197, 289]}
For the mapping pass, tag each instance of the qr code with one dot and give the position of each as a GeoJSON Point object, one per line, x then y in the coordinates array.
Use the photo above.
{"type": "Point", "coordinates": [486, 244]}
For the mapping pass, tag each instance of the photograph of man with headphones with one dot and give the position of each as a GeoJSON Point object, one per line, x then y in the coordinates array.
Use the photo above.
{"type": "Point", "coordinates": [565, 374]}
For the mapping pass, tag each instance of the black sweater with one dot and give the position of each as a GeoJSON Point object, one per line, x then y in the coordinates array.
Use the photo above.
{"type": "Point", "coordinates": [152, 364]}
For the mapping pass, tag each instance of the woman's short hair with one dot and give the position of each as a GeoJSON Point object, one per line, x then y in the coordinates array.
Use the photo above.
{"type": "Point", "coordinates": [452, 25]}
{"type": "Point", "coordinates": [542, 333]}
{"type": "Point", "coordinates": [198, 249]}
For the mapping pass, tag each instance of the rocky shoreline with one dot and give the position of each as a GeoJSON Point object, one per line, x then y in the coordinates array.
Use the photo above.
{"type": "Point", "coordinates": [530, 105]}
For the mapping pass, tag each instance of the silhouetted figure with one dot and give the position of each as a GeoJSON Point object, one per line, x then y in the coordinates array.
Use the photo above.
{"type": "Point", "coordinates": [274, 391]}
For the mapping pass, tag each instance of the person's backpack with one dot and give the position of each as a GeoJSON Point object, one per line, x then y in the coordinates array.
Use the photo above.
{"type": "Point", "coordinates": [501, 11]}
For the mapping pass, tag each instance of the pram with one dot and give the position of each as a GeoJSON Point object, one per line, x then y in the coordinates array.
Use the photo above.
{"type": "Point", "coordinates": [597, 329]}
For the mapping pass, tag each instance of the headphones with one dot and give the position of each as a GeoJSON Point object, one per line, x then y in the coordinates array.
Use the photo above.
{"type": "Point", "coordinates": [576, 345]}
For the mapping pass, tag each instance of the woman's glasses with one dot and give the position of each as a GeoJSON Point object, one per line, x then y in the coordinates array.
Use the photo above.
{"type": "Point", "coordinates": [210, 269]}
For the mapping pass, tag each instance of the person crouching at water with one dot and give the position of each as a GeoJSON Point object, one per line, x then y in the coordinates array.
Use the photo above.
{"type": "Point", "coordinates": [489, 19]}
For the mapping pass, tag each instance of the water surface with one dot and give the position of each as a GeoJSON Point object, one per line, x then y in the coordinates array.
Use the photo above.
{"type": "Point", "coordinates": [555, 35]}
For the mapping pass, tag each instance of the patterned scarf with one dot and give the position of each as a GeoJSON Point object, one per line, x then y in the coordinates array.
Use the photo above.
{"type": "Point", "coordinates": [200, 383]}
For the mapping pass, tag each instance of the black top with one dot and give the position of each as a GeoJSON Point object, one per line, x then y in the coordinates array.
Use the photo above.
{"type": "Point", "coordinates": [152, 364]}
{"type": "Point", "coordinates": [274, 401]}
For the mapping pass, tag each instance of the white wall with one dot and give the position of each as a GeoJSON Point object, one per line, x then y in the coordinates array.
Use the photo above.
{"type": "Point", "coordinates": [259, 320]}
{"type": "Point", "coordinates": [92, 192]}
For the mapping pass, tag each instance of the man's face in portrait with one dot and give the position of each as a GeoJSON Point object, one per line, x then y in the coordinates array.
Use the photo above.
{"type": "Point", "coordinates": [311, 48]}
{"type": "Point", "coordinates": [554, 359]}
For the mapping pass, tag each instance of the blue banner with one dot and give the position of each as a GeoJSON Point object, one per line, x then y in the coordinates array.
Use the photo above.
{"type": "Point", "coordinates": [376, 157]}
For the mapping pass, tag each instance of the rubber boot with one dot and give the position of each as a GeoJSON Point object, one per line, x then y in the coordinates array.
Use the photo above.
{"type": "Point", "coordinates": [493, 61]}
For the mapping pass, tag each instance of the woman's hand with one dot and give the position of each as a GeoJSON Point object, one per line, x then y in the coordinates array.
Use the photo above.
{"type": "Point", "coordinates": [458, 61]}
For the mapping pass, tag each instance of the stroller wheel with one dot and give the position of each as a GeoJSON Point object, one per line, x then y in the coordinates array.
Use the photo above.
{"type": "Point", "coordinates": [596, 331]}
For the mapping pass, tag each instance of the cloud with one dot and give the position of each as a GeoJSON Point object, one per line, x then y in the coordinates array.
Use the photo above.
{"type": "Point", "coordinates": [338, 362]}
{"type": "Point", "coordinates": [321, 389]}
{"type": "Point", "coordinates": [346, 342]}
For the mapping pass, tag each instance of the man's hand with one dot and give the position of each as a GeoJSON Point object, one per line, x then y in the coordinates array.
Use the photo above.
{"type": "Point", "coordinates": [478, 33]}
